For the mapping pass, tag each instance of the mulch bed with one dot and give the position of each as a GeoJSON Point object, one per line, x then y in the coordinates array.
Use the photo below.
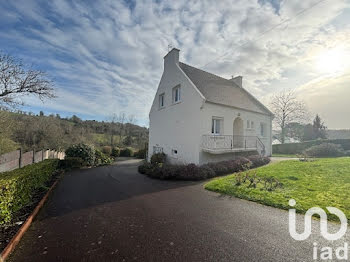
{"type": "Point", "coordinates": [7, 232]}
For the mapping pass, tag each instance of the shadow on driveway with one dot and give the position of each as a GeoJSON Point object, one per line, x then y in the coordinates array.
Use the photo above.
{"type": "Point", "coordinates": [85, 188]}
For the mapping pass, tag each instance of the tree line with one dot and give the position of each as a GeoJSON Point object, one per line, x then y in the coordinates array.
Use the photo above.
{"type": "Point", "coordinates": [29, 131]}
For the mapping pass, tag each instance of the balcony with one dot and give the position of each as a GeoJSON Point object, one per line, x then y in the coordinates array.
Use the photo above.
{"type": "Point", "coordinates": [221, 144]}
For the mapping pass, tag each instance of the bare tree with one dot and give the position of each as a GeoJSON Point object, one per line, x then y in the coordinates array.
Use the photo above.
{"type": "Point", "coordinates": [287, 109]}
{"type": "Point", "coordinates": [121, 120]}
{"type": "Point", "coordinates": [112, 127]}
{"type": "Point", "coordinates": [17, 81]}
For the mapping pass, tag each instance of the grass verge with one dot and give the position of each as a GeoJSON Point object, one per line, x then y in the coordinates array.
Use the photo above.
{"type": "Point", "coordinates": [285, 155]}
{"type": "Point", "coordinates": [322, 183]}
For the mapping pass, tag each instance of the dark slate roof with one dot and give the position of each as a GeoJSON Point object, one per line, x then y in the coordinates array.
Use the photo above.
{"type": "Point", "coordinates": [219, 90]}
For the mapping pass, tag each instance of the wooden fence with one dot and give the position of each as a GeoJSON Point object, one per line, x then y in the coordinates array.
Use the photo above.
{"type": "Point", "coordinates": [17, 159]}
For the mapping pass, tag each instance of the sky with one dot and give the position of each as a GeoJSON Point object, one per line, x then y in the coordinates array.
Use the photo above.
{"type": "Point", "coordinates": [106, 56]}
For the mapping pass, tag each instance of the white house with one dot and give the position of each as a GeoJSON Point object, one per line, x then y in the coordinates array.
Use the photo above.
{"type": "Point", "coordinates": [198, 117]}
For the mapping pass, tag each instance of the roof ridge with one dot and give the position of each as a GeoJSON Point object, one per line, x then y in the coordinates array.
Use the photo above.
{"type": "Point", "coordinates": [207, 72]}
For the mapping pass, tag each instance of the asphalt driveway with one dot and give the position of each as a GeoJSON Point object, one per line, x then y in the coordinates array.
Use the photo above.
{"type": "Point", "coordinates": [113, 213]}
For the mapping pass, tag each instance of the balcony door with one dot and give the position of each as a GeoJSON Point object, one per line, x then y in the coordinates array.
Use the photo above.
{"type": "Point", "coordinates": [238, 136]}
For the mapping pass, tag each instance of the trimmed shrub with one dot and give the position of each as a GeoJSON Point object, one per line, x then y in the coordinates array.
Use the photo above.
{"type": "Point", "coordinates": [127, 152]}
{"type": "Point", "coordinates": [141, 154]}
{"type": "Point", "coordinates": [102, 159]}
{"type": "Point", "coordinates": [107, 150]}
{"type": "Point", "coordinates": [115, 152]}
{"type": "Point", "coordinates": [158, 169]}
{"type": "Point", "coordinates": [298, 148]}
{"type": "Point", "coordinates": [144, 167]}
{"type": "Point", "coordinates": [194, 172]}
{"type": "Point", "coordinates": [71, 162]}
{"type": "Point", "coordinates": [325, 150]}
{"type": "Point", "coordinates": [84, 151]}
{"type": "Point", "coordinates": [158, 158]}
{"type": "Point", "coordinates": [258, 160]}
{"type": "Point", "coordinates": [17, 187]}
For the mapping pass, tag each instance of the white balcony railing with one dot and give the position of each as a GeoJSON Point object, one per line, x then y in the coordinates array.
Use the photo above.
{"type": "Point", "coordinates": [230, 143]}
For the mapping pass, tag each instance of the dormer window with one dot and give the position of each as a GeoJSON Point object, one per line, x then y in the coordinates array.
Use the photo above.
{"type": "Point", "coordinates": [161, 100]}
{"type": "Point", "coordinates": [176, 94]}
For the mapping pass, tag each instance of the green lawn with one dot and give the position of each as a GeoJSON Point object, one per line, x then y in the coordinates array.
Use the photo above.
{"type": "Point", "coordinates": [323, 182]}
{"type": "Point", "coordinates": [284, 155]}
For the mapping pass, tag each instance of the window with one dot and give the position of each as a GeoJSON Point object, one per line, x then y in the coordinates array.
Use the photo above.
{"type": "Point", "coordinates": [263, 129]}
{"type": "Point", "coordinates": [252, 125]}
{"type": "Point", "coordinates": [248, 124]}
{"type": "Point", "coordinates": [176, 94]}
{"type": "Point", "coordinates": [161, 100]}
{"type": "Point", "coordinates": [216, 124]}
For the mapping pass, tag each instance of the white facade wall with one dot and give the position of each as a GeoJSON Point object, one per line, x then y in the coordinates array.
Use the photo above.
{"type": "Point", "coordinates": [180, 126]}
{"type": "Point", "coordinates": [229, 114]}
{"type": "Point", "coordinates": [176, 126]}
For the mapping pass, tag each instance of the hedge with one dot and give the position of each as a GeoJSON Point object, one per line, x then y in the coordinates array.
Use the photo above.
{"type": "Point", "coordinates": [126, 152]}
{"type": "Point", "coordinates": [194, 172]}
{"type": "Point", "coordinates": [17, 187]}
{"type": "Point", "coordinates": [298, 148]}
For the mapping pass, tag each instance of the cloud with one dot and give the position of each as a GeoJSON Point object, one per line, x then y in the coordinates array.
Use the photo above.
{"type": "Point", "coordinates": [106, 56]}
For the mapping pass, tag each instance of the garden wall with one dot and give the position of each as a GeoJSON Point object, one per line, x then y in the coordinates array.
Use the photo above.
{"type": "Point", "coordinates": [17, 159]}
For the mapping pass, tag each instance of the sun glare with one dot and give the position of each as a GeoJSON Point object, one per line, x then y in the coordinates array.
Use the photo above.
{"type": "Point", "coordinates": [332, 61]}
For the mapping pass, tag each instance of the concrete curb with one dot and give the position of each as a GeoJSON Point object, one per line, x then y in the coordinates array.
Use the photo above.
{"type": "Point", "coordinates": [15, 240]}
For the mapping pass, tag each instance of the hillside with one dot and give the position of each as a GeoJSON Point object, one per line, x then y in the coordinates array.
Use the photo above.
{"type": "Point", "coordinates": [28, 131]}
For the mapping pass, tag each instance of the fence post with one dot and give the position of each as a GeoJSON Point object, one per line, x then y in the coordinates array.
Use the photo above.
{"type": "Point", "coordinates": [42, 154]}
{"type": "Point", "coordinates": [33, 156]}
{"type": "Point", "coordinates": [20, 158]}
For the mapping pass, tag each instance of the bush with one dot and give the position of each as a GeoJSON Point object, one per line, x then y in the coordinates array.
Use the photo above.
{"type": "Point", "coordinates": [141, 154]}
{"type": "Point", "coordinates": [258, 160]}
{"type": "Point", "coordinates": [144, 167]}
{"type": "Point", "coordinates": [85, 152]}
{"type": "Point", "coordinates": [158, 158]}
{"type": "Point", "coordinates": [298, 148]}
{"type": "Point", "coordinates": [115, 152]}
{"type": "Point", "coordinates": [17, 187]}
{"type": "Point", "coordinates": [71, 162]}
{"type": "Point", "coordinates": [157, 168]}
{"type": "Point", "coordinates": [107, 150]}
{"type": "Point", "coordinates": [194, 172]}
{"type": "Point", "coordinates": [325, 150]}
{"type": "Point", "coordinates": [127, 152]}
{"type": "Point", "coordinates": [102, 159]}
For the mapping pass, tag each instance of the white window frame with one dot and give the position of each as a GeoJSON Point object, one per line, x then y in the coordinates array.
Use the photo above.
{"type": "Point", "coordinates": [161, 100]}
{"type": "Point", "coordinates": [217, 123]}
{"type": "Point", "coordinates": [177, 94]}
